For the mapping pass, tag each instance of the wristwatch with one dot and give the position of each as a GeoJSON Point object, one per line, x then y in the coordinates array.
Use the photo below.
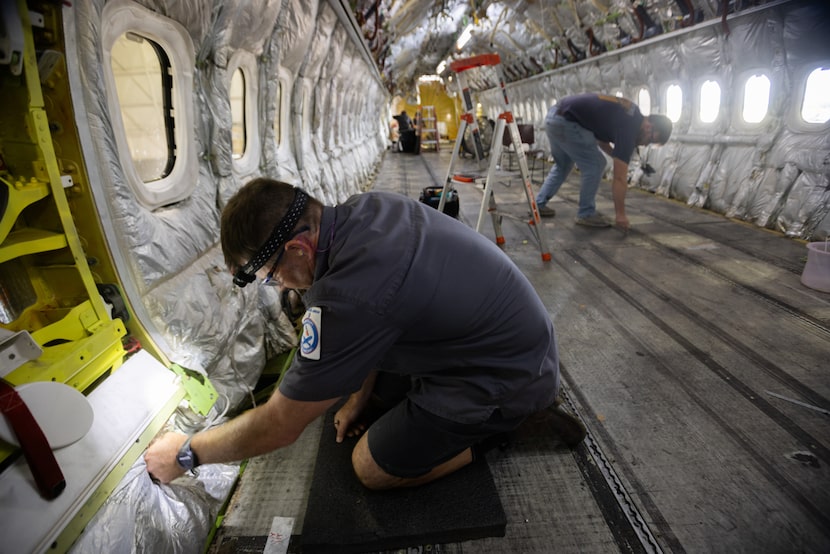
{"type": "Point", "coordinates": [186, 458]}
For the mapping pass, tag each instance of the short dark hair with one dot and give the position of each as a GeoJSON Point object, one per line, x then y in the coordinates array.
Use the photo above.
{"type": "Point", "coordinates": [250, 215]}
{"type": "Point", "coordinates": [663, 126]}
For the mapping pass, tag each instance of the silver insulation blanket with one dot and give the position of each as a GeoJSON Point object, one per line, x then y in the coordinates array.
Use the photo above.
{"type": "Point", "coordinates": [171, 254]}
{"type": "Point", "coordinates": [776, 179]}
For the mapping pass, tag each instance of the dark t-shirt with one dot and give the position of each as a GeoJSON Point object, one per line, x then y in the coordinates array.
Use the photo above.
{"type": "Point", "coordinates": [611, 119]}
{"type": "Point", "coordinates": [404, 288]}
{"type": "Point", "coordinates": [404, 123]}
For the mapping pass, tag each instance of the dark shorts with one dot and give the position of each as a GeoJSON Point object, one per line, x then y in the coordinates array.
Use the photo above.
{"type": "Point", "coordinates": [408, 441]}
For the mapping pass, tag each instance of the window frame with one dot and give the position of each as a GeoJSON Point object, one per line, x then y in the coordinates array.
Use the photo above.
{"type": "Point", "coordinates": [119, 18]}
{"type": "Point", "coordinates": [247, 63]}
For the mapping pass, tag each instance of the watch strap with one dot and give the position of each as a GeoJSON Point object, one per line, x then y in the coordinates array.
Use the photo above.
{"type": "Point", "coordinates": [33, 443]}
{"type": "Point", "coordinates": [192, 455]}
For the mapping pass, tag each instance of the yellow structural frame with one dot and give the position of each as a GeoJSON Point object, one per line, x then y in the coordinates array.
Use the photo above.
{"type": "Point", "coordinates": [85, 343]}
{"type": "Point", "coordinates": [81, 342]}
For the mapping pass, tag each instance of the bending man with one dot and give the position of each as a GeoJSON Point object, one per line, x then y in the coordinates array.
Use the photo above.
{"type": "Point", "coordinates": [575, 126]}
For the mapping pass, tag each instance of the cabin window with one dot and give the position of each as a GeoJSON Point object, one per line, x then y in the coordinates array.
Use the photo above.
{"type": "Point", "coordinates": [709, 101]}
{"type": "Point", "coordinates": [282, 113]}
{"type": "Point", "coordinates": [305, 110]}
{"type": "Point", "coordinates": [237, 94]}
{"type": "Point", "coordinates": [644, 101]}
{"type": "Point", "coordinates": [242, 95]}
{"type": "Point", "coordinates": [148, 67]}
{"type": "Point", "coordinates": [756, 98]}
{"type": "Point", "coordinates": [674, 102]}
{"type": "Point", "coordinates": [815, 108]}
{"type": "Point", "coordinates": [144, 98]}
{"type": "Point", "coordinates": [278, 113]}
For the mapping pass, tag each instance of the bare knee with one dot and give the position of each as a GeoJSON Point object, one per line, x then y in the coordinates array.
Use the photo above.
{"type": "Point", "coordinates": [368, 472]}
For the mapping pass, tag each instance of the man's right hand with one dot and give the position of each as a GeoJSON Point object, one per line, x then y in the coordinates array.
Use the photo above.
{"type": "Point", "coordinates": [161, 457]}
{"type": "Point", "coordinates": [622, 224]}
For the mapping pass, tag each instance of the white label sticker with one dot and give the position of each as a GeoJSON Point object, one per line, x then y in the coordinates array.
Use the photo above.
{"type": "Point", "coordinates": [310, 339]}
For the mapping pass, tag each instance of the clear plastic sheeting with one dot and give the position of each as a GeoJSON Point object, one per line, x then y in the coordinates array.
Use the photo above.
{"type": "Point", "coordinates": [312, 72]}
{"type": "Point", "coordinates": [774, 173]}
{"type": "Point", "coordinates": [142, 517]}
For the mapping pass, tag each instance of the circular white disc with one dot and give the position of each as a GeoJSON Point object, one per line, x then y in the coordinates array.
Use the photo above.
{"type": "Point", "coordinates": [63, 413]}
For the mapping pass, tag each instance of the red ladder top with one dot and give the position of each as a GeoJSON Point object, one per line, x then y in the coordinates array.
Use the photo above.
{"type": "Point", "coordinates": [476, 61]}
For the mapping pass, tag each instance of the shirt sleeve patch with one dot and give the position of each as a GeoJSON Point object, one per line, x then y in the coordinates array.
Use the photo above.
{"type": "Point", "coordinates": [310, 339]}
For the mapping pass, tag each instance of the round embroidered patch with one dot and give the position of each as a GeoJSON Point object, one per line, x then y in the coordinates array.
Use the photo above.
{"type": "Point", "coordinates": [310, 338]}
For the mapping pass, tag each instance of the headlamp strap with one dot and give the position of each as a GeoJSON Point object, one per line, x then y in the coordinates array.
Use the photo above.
{"type": "Point", "coordinates": [276, 240]}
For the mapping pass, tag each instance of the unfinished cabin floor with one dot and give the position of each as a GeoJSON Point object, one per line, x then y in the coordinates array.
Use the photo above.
{"type": "Point", "coordinates": [678, 342]}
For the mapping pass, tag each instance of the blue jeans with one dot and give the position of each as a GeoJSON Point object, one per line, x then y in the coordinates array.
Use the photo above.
{"type": "Point", "coordinates": [570, 144]}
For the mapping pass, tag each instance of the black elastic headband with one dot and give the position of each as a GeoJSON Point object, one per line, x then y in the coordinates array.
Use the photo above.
{"type": "Point", "coordinates": [276, 240]}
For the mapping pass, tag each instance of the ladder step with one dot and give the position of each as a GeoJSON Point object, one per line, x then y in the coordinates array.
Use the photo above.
{"type": "Point", "coordinates": [478, 179]}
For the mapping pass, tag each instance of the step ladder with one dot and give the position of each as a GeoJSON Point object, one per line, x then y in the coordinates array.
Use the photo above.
{"type": "Point", "coordinates": [428, 128]}
{"type": "Point", "coordinates": [505, 121]}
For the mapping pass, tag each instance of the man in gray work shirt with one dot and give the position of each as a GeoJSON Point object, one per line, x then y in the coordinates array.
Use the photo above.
{"type": "Point", "coordinates": [575, 127]}
{"type": "Point", "coordinates": [394, 290]}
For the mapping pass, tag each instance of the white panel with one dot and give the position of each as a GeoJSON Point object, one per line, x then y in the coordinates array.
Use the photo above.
{"type": "Point", "coordinates": [124, 405]}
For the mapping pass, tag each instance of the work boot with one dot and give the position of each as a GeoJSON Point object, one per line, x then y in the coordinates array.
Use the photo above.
{"type": "Point", "coordinates": [544, 211]}
{"type": "Point", "coordinates": [502, 441]}
{"type": "Point", "coordinates": [566, 425]}
{"type": "Point", "coordinates": [593, 220]}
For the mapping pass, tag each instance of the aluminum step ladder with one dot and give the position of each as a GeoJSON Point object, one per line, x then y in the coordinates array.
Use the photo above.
{"type": "Point", "coordinates": [428, 128]}
{"type": "Point", "coordinates": [505, 121]}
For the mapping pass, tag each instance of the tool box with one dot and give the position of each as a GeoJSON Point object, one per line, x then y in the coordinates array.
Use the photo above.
{"type": "Point", "coordinates": [432, 197]}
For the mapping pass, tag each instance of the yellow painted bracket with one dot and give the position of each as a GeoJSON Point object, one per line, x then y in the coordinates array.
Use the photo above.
{"type": "Point", "coordinates": [72, 355]}
{"type": "Point", "coordinates": [200, 391]}
{"type": "Point", "coordinates": [74, 352]}
{"type": "Point", "coordinates": [21, 195]}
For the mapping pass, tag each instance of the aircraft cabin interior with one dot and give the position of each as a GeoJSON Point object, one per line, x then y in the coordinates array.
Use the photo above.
{"type": "Point", "coordinates": [692, 333]}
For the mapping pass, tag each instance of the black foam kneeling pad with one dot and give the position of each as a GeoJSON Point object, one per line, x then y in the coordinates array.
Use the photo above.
{"type": "Point", "coordinates": [343, 516]}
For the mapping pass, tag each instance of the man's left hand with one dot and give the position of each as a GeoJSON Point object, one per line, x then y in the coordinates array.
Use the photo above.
{"type": "Point", "coordinates": [347, 420]}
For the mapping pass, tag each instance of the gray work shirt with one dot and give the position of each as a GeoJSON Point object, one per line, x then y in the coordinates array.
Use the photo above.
{"type": "Point", "coordinates": [404, 288]}
{"type": "Point", "coordinates": [610, 118]}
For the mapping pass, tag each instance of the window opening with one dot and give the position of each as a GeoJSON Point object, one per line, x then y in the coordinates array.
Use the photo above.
{"type": "Point", "coordinates": [144, 85]}
{"type": "Point", "coordinates": [709, 101]}
{"type": "Point", "coordinates": [238, 123]}
{"type": "Point", "coordinates": [644, 101]}
{"type": "Point", "coordinates": [756, 98]}
{"type": "Point", "coordinates": [816, 105]}
{"type": "Point", "coordinates": [674, 103]}
{"type": "Point", "coordinates": [278, 113]}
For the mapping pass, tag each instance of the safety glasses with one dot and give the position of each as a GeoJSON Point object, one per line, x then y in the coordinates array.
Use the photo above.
{"type": "Point", "coordinates": [269, 280]}
{"type": "Point", "coordinates": [275, 242]}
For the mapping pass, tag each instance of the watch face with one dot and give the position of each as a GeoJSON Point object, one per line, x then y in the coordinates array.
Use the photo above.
{"type": "Point", "coordinates": [185, 458]}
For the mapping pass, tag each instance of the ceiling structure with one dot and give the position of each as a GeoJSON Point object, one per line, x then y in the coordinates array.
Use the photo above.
{"type": "Point", "coordinates": [411, 38]}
